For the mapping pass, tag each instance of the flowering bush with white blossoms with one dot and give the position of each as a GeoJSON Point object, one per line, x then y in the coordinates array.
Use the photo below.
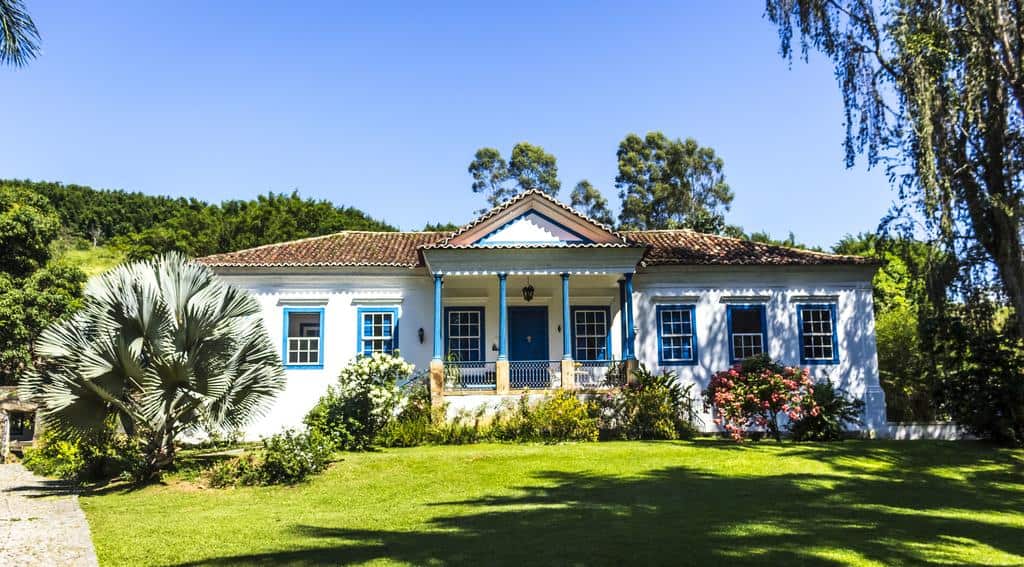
{"type": "Point", "coordinates": [365, 399]}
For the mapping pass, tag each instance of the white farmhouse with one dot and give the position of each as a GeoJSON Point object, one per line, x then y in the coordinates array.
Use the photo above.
{"type": "Point", "coordinates": [534, 295]}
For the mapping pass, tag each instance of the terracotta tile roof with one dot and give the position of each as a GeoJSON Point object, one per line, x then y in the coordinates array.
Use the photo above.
{"type": "Point", "coordinates": [686, 247]}
{"type": "Point", "coordinates": [502, 207]}
{"type": "Point", "coordinates": [342, 249]}
{"type": "Point", "coordinates": [402, 249]}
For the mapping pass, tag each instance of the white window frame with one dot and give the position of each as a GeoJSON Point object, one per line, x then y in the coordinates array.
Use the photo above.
{"type": "Point", "coordinates": [479, 337]}
{"type": "Point", "coordinates": [691, 337]}
{"type": "Point", "coordinates": [604, 338]}
{"type": "Point", "coordinates": [303, 344]}
{"type": "Point", "coordinates": [832, 341]}
{"type": "Point", "coordinates": [361, 346]}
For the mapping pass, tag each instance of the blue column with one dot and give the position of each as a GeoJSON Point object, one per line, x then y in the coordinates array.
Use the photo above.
{"type": "Point", "coordinates": [566, 324]}
{"type": "Point", "coordinates": [630, 333]}
{"type": "Point", "coordinates": [623, 334]}
{"type": "Point", "coordinates": [438, 329]}
{"type": "Point", "coordinates": [502, 317]}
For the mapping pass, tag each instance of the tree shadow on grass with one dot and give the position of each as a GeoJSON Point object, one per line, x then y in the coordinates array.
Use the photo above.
{"type": "Point", "coordinates": [685, 516]}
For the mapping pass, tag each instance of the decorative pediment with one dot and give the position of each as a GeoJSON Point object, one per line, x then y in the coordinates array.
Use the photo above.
{"type": "Point", "coordinates": [532, 229]}
{"type": "Point", "coordinates": [533, 219]}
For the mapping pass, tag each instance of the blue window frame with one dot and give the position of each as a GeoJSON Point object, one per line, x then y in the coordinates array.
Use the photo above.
{"type": "Point", "coordinates": [303, 337]}
{"type": "Point", "coordinates": [464, 333]}
{"type": "Point", "coordinates": [748, 331]}
{"type": "Point", "coordinates": [591, 339]}
{"type": "Point", "coordinates": [677, 334]}
{"type": "Point", "coordinates": [818, 341]}
{"type": "Point", "coordinates": [377, 330]}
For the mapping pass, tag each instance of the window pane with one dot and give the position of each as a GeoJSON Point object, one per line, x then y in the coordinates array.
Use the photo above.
{"type": "Point", "coordinates": [590, 334]}
{"type": "Point", "coordinates": [676, 326]}
{"type": "Point", "coordinates": [377, 332]}
{"type": "Point", "coordinates": [818, 333]}
{"type": "Point", "coordinates": [746, 320]}
{"type": "Point", "coordinates": [302, 345]}
{"type": "Point", "coordinates": [463, 336]}
{"type": "Point", "coordinates": [303, 324]}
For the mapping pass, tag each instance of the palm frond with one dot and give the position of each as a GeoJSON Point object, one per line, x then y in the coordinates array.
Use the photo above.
{"type": "Point", "coordinates": [161, 344]}
{"type": "Point", "coordinates": [19, 38]}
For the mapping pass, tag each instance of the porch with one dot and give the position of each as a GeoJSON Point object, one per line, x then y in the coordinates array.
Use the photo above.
{"type": "Point", "coordinates": [531, 296]}
{"type": "Point", "coordinates": [509, 333]}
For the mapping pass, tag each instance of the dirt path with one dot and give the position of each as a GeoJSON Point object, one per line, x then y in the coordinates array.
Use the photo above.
{"type": "Point", "coordinates": [41, 522]}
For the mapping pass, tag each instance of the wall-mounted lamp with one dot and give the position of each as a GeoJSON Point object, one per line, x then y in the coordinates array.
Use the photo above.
{"type": "Point", "coordinates": [559, 328]}
{"type": "Point", "coordinates": [420, 334]}
{"type": "Point", "coordinates": [494, 347]}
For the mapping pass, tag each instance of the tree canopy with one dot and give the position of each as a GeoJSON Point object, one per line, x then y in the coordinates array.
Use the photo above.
{"type": "Point", "coordinates": [665, 183]}
{"type": "Point", "coordinates": [147, 225]}
{"type": "Point", "coordinates": [588, 200]}
{"type": "Point", "coordinates": [27, 226]}
{"type": "Point", "coordinates": [529, 167]}
{"type": "Point", "coordinates": [934, 90]}
{"type": "Point", "coordinates": [34, 289]}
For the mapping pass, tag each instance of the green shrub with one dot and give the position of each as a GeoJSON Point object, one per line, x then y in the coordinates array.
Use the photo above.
{"type": "Point", "coordinates": [561, 417]}
{"type": "Point", "coordinates": [360, 406]}
{"type": "Point", "coordinates": [564, 417]}
{"type": "Point", "coordinates": [290, 457]}
{"type": "Point", "coordinates": [55, 457]}
{"type": "Point", "coordinates": [653, 406]}
{"type": "Point", "coordinates": [241, 470]}
{"type": "Point", "coordinates": [285, 458]}
{"type": "Point", "coordinates": [419, 423]}
{"type": "Point", "coordinates": [108, 456]}
{"type": "Point", "coordinates": [464, 429]}
{"type": "Point", "coordinates": [414, 423]}
{"type": "Point", "coordinates": [834, 409]}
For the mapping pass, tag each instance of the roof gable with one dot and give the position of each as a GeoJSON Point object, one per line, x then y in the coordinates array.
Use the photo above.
{"type": "Point", "coordinates": [532, 228]}
{"type": "Point", "coordinates": [530, 219]}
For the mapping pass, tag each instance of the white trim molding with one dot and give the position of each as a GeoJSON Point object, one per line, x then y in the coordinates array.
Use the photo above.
{"type": "Point", "coordinates": [684, 298]}
{"type": "Point", "coordinates": [744, 299]}
{"type": "Point", "coordinates": [377, 301]}
{"type": "Point", "coordinates": [302, 301]}
{"type": "Point", "coordinates": [824, 298]}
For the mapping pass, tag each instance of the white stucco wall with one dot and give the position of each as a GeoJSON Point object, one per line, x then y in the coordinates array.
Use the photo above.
{"type": "Point", "coordinates": [341, 295]}
{"type": "Point", "coordinates": [780, 290]}
{"type": "Point", "coordinates": [710, 289]}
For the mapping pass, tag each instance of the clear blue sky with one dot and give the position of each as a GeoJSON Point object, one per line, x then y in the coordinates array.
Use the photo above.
{"type": "Point", "coordinates": [380, 105]}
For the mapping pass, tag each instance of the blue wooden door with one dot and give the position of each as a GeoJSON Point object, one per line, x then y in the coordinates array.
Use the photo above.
{"type": "Point", "coordinates": [528, 333]}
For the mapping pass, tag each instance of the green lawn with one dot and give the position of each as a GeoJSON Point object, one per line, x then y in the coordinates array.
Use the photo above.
{"type": "Point", "coordinates": [701, 503]}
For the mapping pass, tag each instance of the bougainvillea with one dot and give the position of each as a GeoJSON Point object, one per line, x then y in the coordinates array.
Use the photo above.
{"type": "Point", "coordinates": [752, 394]}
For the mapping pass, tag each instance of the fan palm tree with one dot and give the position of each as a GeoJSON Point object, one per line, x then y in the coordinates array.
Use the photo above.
{"type": "Point", "coordinates": [19, 38]}
{"type": "Point", "coordinates": [163, 347]}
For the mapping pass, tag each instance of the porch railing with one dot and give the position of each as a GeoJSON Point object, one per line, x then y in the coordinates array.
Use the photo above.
{"type": "Point", "coordinates": [534, 374]}
{"type": "Point", "coordinates": [470, 375]}
{"type": "Point", "coordinates": [600, 373]}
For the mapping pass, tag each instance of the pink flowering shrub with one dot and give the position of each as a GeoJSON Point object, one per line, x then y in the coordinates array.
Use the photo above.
{"type": "Point", "coordinates": [753, 393]}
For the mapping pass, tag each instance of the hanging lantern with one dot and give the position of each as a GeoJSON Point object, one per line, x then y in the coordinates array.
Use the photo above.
{"type": "Point", "coordinates": [528, 291]}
